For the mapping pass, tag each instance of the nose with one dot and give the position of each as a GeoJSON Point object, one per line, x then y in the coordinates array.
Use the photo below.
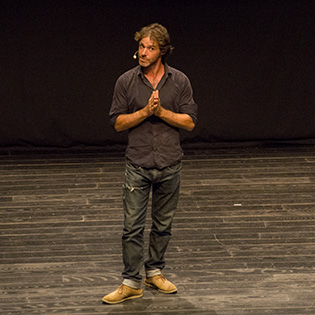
{"type": "Point", "coordinates": [143, 51]}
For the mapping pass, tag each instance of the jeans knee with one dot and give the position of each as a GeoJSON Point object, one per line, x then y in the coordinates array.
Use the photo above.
{"type": "Point", "coordinates": [131, 231]}
{"type": "Point", "coordinates": [161, 230]}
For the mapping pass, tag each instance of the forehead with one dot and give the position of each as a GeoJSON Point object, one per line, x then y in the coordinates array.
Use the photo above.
{"type": "Point", "coordinates": [148, 41]}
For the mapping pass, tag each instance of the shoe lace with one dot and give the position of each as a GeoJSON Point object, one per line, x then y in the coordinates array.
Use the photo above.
{"type": "Point", "coordinates": [162, 277]}
{"type": "Point", "coordinates": [121, 289]}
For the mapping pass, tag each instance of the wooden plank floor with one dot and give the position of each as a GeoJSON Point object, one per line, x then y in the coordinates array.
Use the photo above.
{"type": "Point", "coordinates": [243, 237]}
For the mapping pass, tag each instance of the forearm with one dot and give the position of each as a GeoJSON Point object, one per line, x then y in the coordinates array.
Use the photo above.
{"type": "Point", "coordinates": [178, 120]}
{"type": "Point", "coordinates": [126, 121]}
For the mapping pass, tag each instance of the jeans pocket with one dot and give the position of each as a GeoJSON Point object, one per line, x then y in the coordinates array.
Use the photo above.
{"type": "Point", "coordinates": [175, 168]}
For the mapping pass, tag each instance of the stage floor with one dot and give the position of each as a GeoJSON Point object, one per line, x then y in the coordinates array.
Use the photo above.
{"type": "Point", "coordinates": [243, 237]}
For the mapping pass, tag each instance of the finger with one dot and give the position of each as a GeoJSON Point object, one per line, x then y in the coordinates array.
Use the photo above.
{"type": "Point", "coordinates": [156, 94]}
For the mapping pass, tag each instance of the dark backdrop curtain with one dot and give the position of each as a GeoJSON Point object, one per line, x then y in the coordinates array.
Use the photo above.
{"type": "Point", "coordinates": [251, 64]}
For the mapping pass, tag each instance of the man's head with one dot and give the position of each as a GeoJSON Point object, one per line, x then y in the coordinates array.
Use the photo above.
{"type": "Point", "coordinates": [159, 34]}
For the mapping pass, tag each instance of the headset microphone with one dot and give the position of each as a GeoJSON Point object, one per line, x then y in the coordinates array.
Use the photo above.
{"type": "Point", "coordinates": [135, 55]}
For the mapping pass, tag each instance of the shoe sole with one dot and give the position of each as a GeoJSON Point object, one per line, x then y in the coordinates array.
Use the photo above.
{"type": "Point", "coordinates": [160, 290]}
{"type": "Point", "coordinates": [123, 300]}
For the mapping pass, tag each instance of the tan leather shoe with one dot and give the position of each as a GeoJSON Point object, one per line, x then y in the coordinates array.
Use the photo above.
{"type": "Point", "coordinates": [122, 294]}
{"type": "Point", "coordinates": [160, 283]}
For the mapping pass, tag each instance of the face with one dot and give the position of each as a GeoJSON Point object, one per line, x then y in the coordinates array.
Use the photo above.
{"type": "Point", "coordinates": [149, 52]}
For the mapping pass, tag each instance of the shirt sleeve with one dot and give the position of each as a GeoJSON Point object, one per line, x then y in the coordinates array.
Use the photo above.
{"type": "Point", "coordinates": [119, 101]}
{"type": "Point", "coordinates": [187, 103]}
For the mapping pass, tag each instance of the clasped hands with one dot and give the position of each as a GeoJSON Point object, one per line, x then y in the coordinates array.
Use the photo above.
{"type": "Point", "coordinates": [154, 105]}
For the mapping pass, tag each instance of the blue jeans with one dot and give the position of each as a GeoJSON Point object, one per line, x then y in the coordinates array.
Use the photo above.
{"type": "Point", "coordinates": [165, 185]}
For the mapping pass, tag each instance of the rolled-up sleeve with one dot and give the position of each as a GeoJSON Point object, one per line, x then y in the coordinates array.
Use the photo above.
{"type": "Point", "coordinates": [119, 102]}
{"type": "Point", "coordinates": [187, 103]}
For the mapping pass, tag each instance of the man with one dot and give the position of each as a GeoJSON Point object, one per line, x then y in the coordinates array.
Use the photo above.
{"type": "Point", "coordinates": [152, 101]}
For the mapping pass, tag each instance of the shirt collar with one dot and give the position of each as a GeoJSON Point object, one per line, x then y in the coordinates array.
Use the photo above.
{"type": "Point", "coordinates": [168, 70]}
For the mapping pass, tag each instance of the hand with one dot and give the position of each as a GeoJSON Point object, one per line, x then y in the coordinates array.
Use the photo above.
{"type": "Point", "coordinates": [153, 103]}
{"type": "Point", "coordinates": [157, 104]}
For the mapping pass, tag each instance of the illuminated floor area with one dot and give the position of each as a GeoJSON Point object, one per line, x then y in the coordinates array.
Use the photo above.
{"type": "Point", "coordinates": [243, 237]}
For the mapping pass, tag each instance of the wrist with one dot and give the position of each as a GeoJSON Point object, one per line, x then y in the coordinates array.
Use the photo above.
{"type": "Point", "coordinates": [144, 112]}
{"type": "Point", "coordinates": [162, 113]}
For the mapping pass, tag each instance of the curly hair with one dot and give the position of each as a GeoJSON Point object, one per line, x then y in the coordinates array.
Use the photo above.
{"type": "Point", "coordinates": [158, 33]}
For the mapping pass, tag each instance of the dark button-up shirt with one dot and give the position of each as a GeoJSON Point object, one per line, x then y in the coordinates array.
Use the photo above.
{"type": "Point", "coordinates": [153, 143]}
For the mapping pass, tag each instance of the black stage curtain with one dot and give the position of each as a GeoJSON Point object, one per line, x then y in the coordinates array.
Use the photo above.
{"type": "Point", "coordinates": [251, 65]}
